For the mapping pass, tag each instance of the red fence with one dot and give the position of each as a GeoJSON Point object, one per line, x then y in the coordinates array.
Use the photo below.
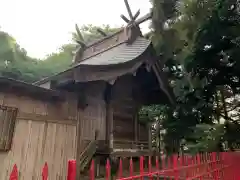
{"type": "Point", "coordinates": [14, 174]}
{"type": "Point", "coordinates": [209, 166]}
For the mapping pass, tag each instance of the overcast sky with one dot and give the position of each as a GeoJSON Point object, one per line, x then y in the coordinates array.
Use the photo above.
{"type": "Point", "coordinates": [42, 26]}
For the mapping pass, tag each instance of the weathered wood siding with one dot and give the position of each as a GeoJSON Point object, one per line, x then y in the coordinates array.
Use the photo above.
{"type": "Point", "coordinates": [143, 133]}
{"type": "Point", "coordinates": [94, 115]}
{"type": "Point", "coordinates": [124, 109]}
{"type": "Point", "coordinates": [44, 132]}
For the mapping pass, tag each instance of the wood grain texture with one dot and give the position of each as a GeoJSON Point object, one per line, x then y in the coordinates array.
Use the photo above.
{"type": "Point", "coordinates": [35, 143]}
{"type": "Point", "coordinates": [44, 132]}
{"type": "Point", "coordinates": [126, 105]}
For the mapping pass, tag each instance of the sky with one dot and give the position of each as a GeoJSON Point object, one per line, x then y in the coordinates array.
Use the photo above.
{"type": "Point", "coordinates": [42, 26]}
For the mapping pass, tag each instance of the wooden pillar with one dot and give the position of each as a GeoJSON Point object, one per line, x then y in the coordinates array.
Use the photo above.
{"type": "Point", "coordinates": [150, 136]}
{"type": "Point", "coordinates": [136, 127]}
{"type": "Point", "coordinates": [81, 105]}
{"type": "Point", "coordinates": [109, 115]}
{"type": "Point", "coordinates": [97, 162]}
{"type": "Point", "coordinates": [79, 143]}
{"type": "Point", "coordinates": [109, 121]}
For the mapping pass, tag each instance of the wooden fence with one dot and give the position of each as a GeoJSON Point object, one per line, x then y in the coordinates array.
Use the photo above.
{"type": "Point", "coordinates": [209, 166]}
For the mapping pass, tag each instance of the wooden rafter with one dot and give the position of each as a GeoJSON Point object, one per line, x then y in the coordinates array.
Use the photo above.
{"type": "Point", "coordinates": [124, 18]}
{"type": "Point", "coordinates": [100, 31]}
{"type": "Point", "coordinates": [136, 15]}
{"type": "Point", "coordinates": [144, 18]}
{"type": "Point", "coordinates": [80, 39]}
{"type": "Point", "coordinates": [132, 20]}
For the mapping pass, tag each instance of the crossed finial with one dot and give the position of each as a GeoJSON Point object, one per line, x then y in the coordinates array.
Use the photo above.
{"type": "Point", "coordinates": [132, 17]}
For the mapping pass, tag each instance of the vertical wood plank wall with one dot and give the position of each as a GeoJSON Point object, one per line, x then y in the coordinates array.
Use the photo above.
{"type": "Point", "coordinates": [125, 108]}
{"type": "Point", "coordinates": [94, 115]}
{"type": "Point", "coordinates": [39, 140]}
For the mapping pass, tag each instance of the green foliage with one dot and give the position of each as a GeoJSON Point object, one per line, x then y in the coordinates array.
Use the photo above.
{"type": "Point", "coordinates": [199, 43]}
{"type": "Point", "coordinates": [149, 113]}
{"type": "Point", "coordinates": [205, 138]}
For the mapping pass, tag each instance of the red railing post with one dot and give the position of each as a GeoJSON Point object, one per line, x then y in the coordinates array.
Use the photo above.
{"type": "Point", "coordinates": [208, 161]}
{"type": "Point", "coordinates": [45, 172]}
{"type": "Point", "coordinates": [163, 167]}
{"type": "Point", "coordinates": [92, 171]}
{"type": "Point", "coordinates": [14, 173]}
{"type": "Point", "coordinates": [131, 167]}
{"type": "Point", "coordinates": [71, 174]}
{"type": "Point", "coordinates": [190, 167]}
{"type": "Point", "coordinates": [214, 161]}
{"type": "Point", "coordinates": [175, 167]}
{"type": "Point", "coordinates": [222, 165]}
{"type": "Point", "coordinates": [141, 167]}
{"type": "Point", "coordinates": [120, 169]}
{"type": "Point", "coordinates": [157, 167]}
{"type": "Point", "coordinates": [186, 163]}
{"type": "Point", "coordinates": [169, 166]}
{"type": "Point", "coordinates": [150, 166]}
{"type": "Point", "coordinates": [199, 166]}
{"type": "Point", "coordinates": [180, 172]}
{"type": "Point", "coordinates": [232, 156]}
{"type": "Point", "coordinates": [108, 170]}
{"type": "Point", "coordinates": [194, 164]}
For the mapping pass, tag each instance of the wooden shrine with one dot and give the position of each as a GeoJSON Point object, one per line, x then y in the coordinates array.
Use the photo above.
{"type": "Point", "coordinates": [113, 78]}
{"type": "Point", "coordinates": [95, 102]}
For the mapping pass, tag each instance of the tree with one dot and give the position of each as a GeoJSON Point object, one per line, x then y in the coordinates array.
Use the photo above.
{"type": "Point", "coordinates": [14, 62]}
{"type": "Point", "coordinates": [202, 66]}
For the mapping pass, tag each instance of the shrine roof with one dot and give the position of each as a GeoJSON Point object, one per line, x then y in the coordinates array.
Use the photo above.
{"type": "Point", "coordinates": [120, 53]}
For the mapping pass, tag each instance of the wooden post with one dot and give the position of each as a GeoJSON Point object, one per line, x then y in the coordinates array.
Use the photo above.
{"type": "Point", "coordinates": [79, 143]}
{"type": "Point", "coordinates": [110, 118]}
{"type": "Point", "coordinates": [97, 160]}
{"type": "Point", "coordinates": [150, 136]}
{"type": "Point", "coordinates": [136, 128]}
{"type": "Point", "coordinates": [109, 127]}
{"type": "Point", "coordinates": [109, 115]}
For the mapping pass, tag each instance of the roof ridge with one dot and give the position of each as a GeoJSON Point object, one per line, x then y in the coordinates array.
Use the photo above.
{"type": "Point", "coordinates": [104, 38]}
{"type": "Point", "coordinates": [139, 21]}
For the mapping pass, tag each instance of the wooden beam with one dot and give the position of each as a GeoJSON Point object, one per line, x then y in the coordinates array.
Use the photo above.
{"type": "Point", "coordinates": [162, 84]}
{"type": "Point", "coordinates": [124, 18]}
{"type": "Point", "coordinates": [101, 32]}
{"type": "Point", "coordinates": [128, 9]}
{"type": "Point", "coordinates": [136, 15]}
{"type": "Point", "coordinates": [150, 136]}
{"type": "Point", "coordinates": [82, 44]}
{"type": "Point", "coordinates": [144, 18]}
{"type": "Point", "coordinates": [46, 118]}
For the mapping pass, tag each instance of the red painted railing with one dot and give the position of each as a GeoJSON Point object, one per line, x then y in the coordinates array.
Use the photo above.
{"type": "Point", "coordinates": [209, 166]}
{"type": "Point", "coordinates": [14, 173]}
